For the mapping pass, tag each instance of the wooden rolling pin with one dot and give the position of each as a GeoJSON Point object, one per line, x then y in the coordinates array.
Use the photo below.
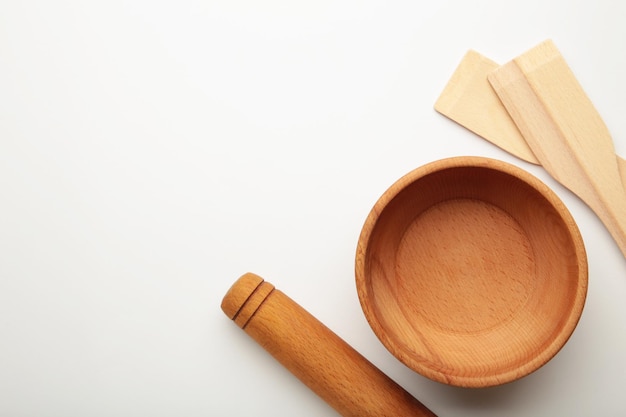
{"type": "Point", "coordinates": [318, 357]}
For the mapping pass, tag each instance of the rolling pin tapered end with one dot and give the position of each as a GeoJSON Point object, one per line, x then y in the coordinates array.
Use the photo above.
{"type": "Point", "coordinates": [244, 297]}
{"type": "Point", "coordinates": [239, 293]}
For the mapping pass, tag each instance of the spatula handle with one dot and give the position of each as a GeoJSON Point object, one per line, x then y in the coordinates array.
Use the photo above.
{"type": "Point", "coordinates": [318, 357]}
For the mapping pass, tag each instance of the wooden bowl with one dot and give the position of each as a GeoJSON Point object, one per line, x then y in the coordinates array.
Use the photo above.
{"type": "Point", "coordinates": [471, 272]}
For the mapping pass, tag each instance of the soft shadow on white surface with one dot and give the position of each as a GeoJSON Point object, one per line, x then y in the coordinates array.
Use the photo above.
{"type": "Point", "coordinates": [152, 152]}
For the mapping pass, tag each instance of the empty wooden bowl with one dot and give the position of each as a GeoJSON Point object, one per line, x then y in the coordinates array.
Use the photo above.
{"type": "Point", "coordinates": [471, 271]}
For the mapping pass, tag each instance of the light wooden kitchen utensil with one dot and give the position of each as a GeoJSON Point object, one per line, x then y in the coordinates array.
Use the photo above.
{"type": "Point", "coordinates": [564, 131]}
{"type": "Point", "coordinates": [471, 271]}
{"type": "Point", "coordinates": [318, 357]}
{"type": "Point", "coordinates": [469, 100]}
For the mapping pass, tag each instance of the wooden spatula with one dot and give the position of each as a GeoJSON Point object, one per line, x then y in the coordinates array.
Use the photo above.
{"type": "Point", "coordinates": [564, 131]}
{"type": "Point", "coordinates": [469, 100]}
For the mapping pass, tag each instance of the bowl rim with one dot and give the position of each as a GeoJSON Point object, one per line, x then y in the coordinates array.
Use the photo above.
{"type": "Point", "coordinates": [484, 380]}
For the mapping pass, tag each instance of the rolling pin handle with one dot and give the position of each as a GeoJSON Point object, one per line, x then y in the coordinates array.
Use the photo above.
{"type": "Point", "coordinates": [314, 354]}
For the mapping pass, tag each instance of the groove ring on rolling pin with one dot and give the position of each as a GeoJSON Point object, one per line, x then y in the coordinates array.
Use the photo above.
{"type": "Point", "coordinates": [252, 304]}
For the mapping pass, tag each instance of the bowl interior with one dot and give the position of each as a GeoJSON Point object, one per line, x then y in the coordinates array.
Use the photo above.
{"type": "Point", "coordinates": [472, 273]}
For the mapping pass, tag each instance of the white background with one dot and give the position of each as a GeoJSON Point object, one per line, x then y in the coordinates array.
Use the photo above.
{"type": "Point", "coordinates": [151, 152]}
